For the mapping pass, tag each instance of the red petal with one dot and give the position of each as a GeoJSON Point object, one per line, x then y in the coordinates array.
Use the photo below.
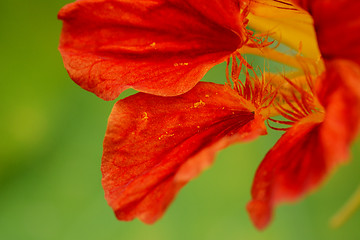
{"type": "Point", "coordinates": [291, 168]}
{"type": "Point", "coordinates": [339, 92]}
{"type": "Point", "coordinates": [337, 25]}
{"type": "Point", "coordinates": [161, 47]}
{"type": "Point", "coordinates": [155, 145]}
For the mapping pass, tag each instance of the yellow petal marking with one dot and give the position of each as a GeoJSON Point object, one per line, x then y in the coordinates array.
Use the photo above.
{"type": "Point", "coordinates": [285, 23]}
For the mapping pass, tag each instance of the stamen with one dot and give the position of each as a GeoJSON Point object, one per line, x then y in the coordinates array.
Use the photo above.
{"type": "Point", "coordinates": [297, 102]}
{"type": "Point", "coordinates": [297, 88]}
{"type": "Point", "coordinates": [257, 91]}
{"type": "Point", "coordinates": [270, 98]}
{"type": "Point", "coordinates": [301, 109]}
{"type": "Point", "coordinates": [272, 54]}
{"type": "Point", "coordinates": [275, 128]}
{"type": "Point", "coordinates": [287, 113]}
{"type": "Point", "coordinates": [259, 41]}
{"type": "Point", "coordinates": [281, 122]}
{"type": "Point", "coordinates": [227, 71]}
{"type": "Point", "coordinates": [243, 61]}
{"type": "Point", "coordinates": [295, 110]}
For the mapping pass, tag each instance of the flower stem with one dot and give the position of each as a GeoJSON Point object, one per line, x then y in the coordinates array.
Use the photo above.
{"type": "Point", "coordinates": [347, 210]}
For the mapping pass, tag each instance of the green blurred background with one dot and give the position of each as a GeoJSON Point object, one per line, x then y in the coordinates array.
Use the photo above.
{"type": "Point", "coordinates": [51, 145]}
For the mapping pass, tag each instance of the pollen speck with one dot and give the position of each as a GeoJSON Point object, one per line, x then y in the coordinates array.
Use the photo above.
{"type": "Point", "coordinates": [181, 64]}
{"type": "Point", "coordinates": [152, 44]}
{"type": "Point", "coordinates": [207, 96]}
{"type": "Point", "coordinates": [166, 135]}
{"type": "Point", "coordinates": [199, 104]}
{"type": "Point", "coordinates": [145, 116]}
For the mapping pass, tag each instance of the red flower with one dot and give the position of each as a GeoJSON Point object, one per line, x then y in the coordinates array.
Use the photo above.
{"type": "Point", "coordinates": [154, 144]}
{"type": "Point", "coordinates": [162, 47]}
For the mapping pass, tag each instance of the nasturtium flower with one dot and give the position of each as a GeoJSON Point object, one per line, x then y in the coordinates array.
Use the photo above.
{"type": "Point", "coordinates": [160, 139]}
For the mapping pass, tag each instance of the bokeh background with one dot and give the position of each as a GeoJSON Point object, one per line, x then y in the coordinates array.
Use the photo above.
{"type": "Point", "coordinates": [51, 144]}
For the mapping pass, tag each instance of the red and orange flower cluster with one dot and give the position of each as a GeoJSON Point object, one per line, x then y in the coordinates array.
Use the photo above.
{"type": "Point", "coordinates": [163, 137]}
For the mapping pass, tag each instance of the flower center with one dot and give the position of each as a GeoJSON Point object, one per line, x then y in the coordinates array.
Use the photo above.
{"type": "Point", "coordinates": [292, 43]}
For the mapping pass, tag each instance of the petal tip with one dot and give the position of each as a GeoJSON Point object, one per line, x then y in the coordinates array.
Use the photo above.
{"type": "Point", "coordinates": [260, 213]}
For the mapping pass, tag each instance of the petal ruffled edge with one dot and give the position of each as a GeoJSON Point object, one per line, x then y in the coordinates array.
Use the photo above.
{"type": "Point", "coordinates": [109, 46]}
